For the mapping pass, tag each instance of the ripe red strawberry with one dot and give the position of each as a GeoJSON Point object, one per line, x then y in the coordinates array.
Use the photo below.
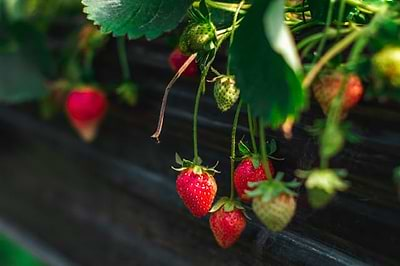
{"type": "Point", "coordinates": [245, 172]}
{"type": "Point", "coordinates": [275, 213]}
{"type": "Point", "coordinates": [177, 59]}
{"type": "Point", "coordinates": [328, 87]}
{"type": "Point", "coordinates": [86, 108]}
{"type": "Point", "coordinates": [227, 226]}
{"type": "Point", "coordinates": [197, 189]}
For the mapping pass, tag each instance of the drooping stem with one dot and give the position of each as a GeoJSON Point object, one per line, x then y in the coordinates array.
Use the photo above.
{"type": "Point", "coordinates": [233, 145]}
{"type": "Point", "coordinates": [235, 18]}
{"type": "Point", "coordinates": [263, 147]}
{"type": "Point", "coordinates": [336, 49]}
{"type": "Point", "coordinates": [251, 129]}
{"type": "Point", "coordinates": [123, 59]}
{"type": "Point", "coordinates": [157, 133]}
{"type": "Point", "coordinates": [88, 65]}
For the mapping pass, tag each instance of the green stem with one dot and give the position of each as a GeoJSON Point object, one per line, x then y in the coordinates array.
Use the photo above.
{"type": "Point", "coordinates": [251, 129]}
{"type": "Point", "coordinates": [233, 146]}
{"type": "Point", "coordinates": [336, 49]}
{"type": "Point", "coordinates": [195, 117]}
{"type": "Point", "coordinates": [363, 6]}
{"type": "Point", "coordinates": [88, 65]}
{"type": "Point", "coordinates": [324, 38]}
{"type": "Point", "coordinates": [333, 119]}
{"type": "Point", "coordinates": [123, 59]}
{"type": "Point", "coordinates": [301, 26]}
{"type": "Point", "coordinates": [235, 18]}
{"type": "Point", "coordinates": [329, 33]}
{"type": "Point", "coordinates": [324, 164]}
{"type": "Point", "coordinates": [297, 9]}
{"type": "Point", "coordinates": [264, 157]}
{"type": "Point", "coordinates": [229, 7]}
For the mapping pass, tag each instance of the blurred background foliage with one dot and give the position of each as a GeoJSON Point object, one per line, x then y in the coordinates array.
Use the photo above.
{"type": "Point", "coordinates": [25, 57]}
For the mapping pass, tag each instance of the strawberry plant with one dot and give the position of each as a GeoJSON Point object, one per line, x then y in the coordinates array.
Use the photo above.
{"type": "Point", "coordinates": [277, 57]}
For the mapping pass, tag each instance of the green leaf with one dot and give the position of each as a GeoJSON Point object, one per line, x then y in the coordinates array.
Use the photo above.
{"type": "Point", "coordinates": [20, 81]}
{"type": "Point", "coordinates": [244, 150]}
{"type": "Point", "coordinates": [136, 18]}
{"type": "Point", "coordinates": [260, 61]}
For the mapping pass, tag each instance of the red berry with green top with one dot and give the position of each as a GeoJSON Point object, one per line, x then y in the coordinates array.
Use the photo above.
{"type": "Point", "coordinates": [245, 172]}
{"type": "Point", "coordinates": [177, 59]}
{"type": "Point", "coordinates": [326, 89]}
{"type": "Point", "coordinates": [86, 108]}
{"type": "Point", "coordinates": [227, 226]}
{"type": "Point", "coordinates": [197, 190]}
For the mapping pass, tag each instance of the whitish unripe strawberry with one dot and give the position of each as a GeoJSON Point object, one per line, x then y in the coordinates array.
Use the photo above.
{"type": "Point", "coordinates": [274, 202]}
{"type": "Point", "coordinates": [322, 185]}
{"type": "Point", "coordinates": [225, 92]}
{"type": "Point", "coordinates": [386, 64]}
{"type": "Point", "coordinates": [275, 213]}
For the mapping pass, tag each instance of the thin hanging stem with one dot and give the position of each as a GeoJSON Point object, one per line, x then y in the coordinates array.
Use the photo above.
{"type": "Point", "coordinates": [157, 133]}
{"type": "Point", "coordinates": [123, 59]}
{"type": "Point", "coordinates": [264, 157]}
{"type": "Point", "coordinates": [88, 65]}
{"type": "Point", "coordinates": [235, 18]}
{"type": "Point", "coordinates": [195, 117]}
{"type": "Point", "coordinates": [339, 47]}
{"type": "Point", "coordinates": [321, 45]}
{"type": "Point", "coordinates": [233, 146]}
{"type": "Point", "coordinates": [251, 129]}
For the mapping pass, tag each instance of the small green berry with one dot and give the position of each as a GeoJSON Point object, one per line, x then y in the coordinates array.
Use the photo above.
{"type": "Point", "coordinates": [226, 93]}
{"type": "Point", "coordinates": [197, 37]}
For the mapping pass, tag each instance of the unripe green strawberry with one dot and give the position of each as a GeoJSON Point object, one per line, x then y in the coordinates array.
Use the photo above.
{"type": "Point", "coordinates": [197, 37]}
{"type": "Point", "coordinates": [273, 202]}
{"type": "Point", "coordinates": [322, 185]}
{"type": "Point", "coordinates": [226, 93]}
{"type": "Point", "coordinates": [326, 89]}
{"type": "Point", "coordinates": [386, 64]}
{"type": "Point", "coordinates": [275, 213]}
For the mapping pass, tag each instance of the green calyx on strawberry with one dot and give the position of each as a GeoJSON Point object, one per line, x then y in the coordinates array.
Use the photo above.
{"type": "Point", "coordinates": [386, 65]}
{"type": "Point", "coordinates": [129, 93]}
{"type": "Point", "coordinates": [250, 170]}
{"type": "Point", "coordinates": [196, 186]}
{"type": "Point", "coordinates": [274, 202]}
{"type": "Point", "coordinates": [199, 36]}
{"type": "Point", "coordinates": [226, 93]}
{"type": "Point", "coordinates": [227, 221]}
{"type": "Point", "coordinates": [322, 185]}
